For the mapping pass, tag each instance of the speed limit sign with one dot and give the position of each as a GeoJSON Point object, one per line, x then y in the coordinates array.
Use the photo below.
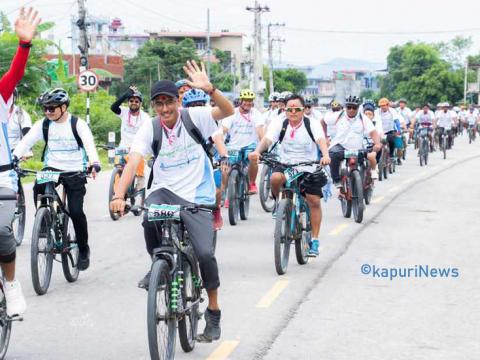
{"type": "Point", "coordinates": [87, 80]}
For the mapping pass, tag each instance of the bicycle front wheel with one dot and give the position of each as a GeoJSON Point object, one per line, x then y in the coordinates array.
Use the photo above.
{"type": "Point", "coordinates": [357, 197]}
{"type": "Point", "coordinates": [233, 194]}
{"type": "Point", "coordinates": [116, 174]}
{"type": "Point", "coordinates": [266, 198]}
{"type": "Point", "coordinates": [41, 260]}
{"type": "Point", "coordinates": [161, 320]}
{"type": "Point", "coordinates": [283, 235]}
{"type": "Point", "coordinates": [5, 327]}
{"type": "Point", "coordinates": [70, 251]}
{"type": "Point", "coordinates": [18, 224]}
{"type": "Point", "coordinates": [244, 203]}
{"type": "Point", "coordinates": [188, 324]}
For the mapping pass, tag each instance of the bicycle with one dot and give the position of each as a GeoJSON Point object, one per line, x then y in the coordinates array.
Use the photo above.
{"type": "Point", "coordinates": [132, 193]}
{"type": "Point", "coordinates": [266, 199]}
{"type": "Point", "coordinates": [443, 142]}
{"type": "Point", "coordinates": [471, 133]}
{"type": "Point", "coordinates": [237, 187]}
{"type": "Point", "coordinates": [175, 287]}
{"type": "Point", "coordinates": [423, 145]}
{"type": "Point", "coordinates": [351, 193]}
{"type": "Point", "coordinates": [384, 161]}
{"type": "Point", "coordinates": [292, 220]}
{"type": "Point", "coordinates": [53, 233]}
{"type": "Point", "coordinates": [5, 320]}
{"type": "Point", "coordinates": [19, 218]}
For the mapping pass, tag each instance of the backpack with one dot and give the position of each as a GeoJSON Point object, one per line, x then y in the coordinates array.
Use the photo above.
{"type": "Point", "coordinates": [45, 127]}
{"type": "Point", "coordinates": [191, 129]}
{"type": "Point", "coordinates": [306, 121]}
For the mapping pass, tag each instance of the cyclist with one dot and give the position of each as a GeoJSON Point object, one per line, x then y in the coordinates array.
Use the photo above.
{"type": "Point", "coordinates": [444, 120]}
{"type": "Point", "coordinates": [330, 119]}
{"type": "Point", "coordinates": [272, 111]}
{"type": "Point", "coordinates": [425, 119]}
{"type": "Point", "coordinates": [389, 116]}
{"type": "Point", "coordinates": [471, 119]}
{"type": "Point", "coordinates": [245, 130]}
{"type": "Point", "coordinates": [373, 157]}
{"type": "Point", "coordinates": [182, 86]}
{"type": "Point", "coordinates": [132, 119]}
{"type": "Point", "coordinates": [25, 27]}
{"type": "Point", "coordinates": [351, 128]}
{"type": "Point", "coordinates": [182, 174]}
{"type": "Point", "coordinates": [19, 122]}
{"type": "Point", "coordinates": [198, 97]}
{"type": "Point", "coordinates": [298, 146]}
{"type": "Point", "coordinates": [310, 112]}
{"type": "Point", "coordinates": [69, 142]}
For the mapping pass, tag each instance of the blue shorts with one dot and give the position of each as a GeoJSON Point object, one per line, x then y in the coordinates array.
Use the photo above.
{"type": "Point", "coordinates": [217, 176]}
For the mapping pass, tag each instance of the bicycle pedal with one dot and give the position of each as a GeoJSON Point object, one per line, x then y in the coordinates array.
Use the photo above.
{"type": "Point", "coordinates": [15, 318]}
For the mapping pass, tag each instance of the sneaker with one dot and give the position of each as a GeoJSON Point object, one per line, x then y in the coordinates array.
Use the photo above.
{"type": "Point", "coordinates": [143, 284]}
{"type": "Point", "coordinates": [217, 219]}
{"type": "Point", "coordinates": [212, 326]}
{"type": "Point", "coordinates": [314, 245]}
{"type": "Point", "coordinates": [374, 174]}
{"type": "Point", "coordinates": [16, 304]}
{"type": "Point", "coordinates": [252, 188]}
{"type": "Point", "coordinates": [226, 204]}
{"type": "Point", "coordinates": [83, 258]}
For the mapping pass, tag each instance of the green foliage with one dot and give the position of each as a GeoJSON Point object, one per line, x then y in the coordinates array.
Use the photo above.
{"type": "Point", "coordinates": [369, 94]}
{"type": "Point", "coordinates": [454, 50]}
{"type": "Point", "coordinates": [289, 80]}
{"type": "Point", "coordinates": [4, 22]}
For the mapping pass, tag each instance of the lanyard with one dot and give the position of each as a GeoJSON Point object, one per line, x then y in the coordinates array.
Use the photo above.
{"type": "Point", "coordinates": [294, 129]}
{"type": "Point", "coordinates": [170, 132]}
{"type": "Point", "coordinates": [246, 117]}
{"type": "Point", "coordinates": [130, 122]}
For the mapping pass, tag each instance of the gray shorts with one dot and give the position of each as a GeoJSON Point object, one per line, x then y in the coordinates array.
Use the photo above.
{"type": "Point", "coordinates": [7, 211]}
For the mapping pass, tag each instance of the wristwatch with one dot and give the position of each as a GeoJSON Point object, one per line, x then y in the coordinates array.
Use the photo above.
{"type": "Point", "coordinates": [25, 45]}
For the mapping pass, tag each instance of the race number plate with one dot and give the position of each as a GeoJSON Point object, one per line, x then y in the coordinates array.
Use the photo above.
{"type": "Point", "coordinates": [44, 177]}
{"type": "Point", "coordinates": [351, 154]}
{"type": "Point", "coordinates": [163, 212]}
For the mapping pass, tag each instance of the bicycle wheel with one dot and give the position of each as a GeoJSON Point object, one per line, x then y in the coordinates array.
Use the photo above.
{"type": "Point", "coordinates": [266, 198]}
{"type": "Point", "coordinates": [188, 324]}
{"type": "Point", "coordinates": [283, 235]}
{"type": "Point", "coordinates": [444, 148]}
{"type": "Point", "coordinates": [302, 244]}
{"type": "Point", "coordinates": [41, 260]}
{"type": "Point", "coordinates": [357, 196]}
{"type": "Point", "coordinates": [116, 173]}
{"type": "Point", "coordinates": [70, 251]}
{"type": "Point", "coordinates": [233, 194]}
{"type": "Point", "coordinates": [244, 201]}
{"type": "Point", "coordinates": [161, 321]}
{"type": "Point", "coordinates": [18, 224]}
{"type": "Point", "coordinates": [5, 326]}
{"type": "Point", "coordinates": [425, 151]}
{"type": "Point", "coordinates": [385, 156]}
{"type": "Point", "coordinates": [420, 151]}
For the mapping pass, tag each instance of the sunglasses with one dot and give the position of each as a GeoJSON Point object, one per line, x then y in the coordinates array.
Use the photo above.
{"type": "Point", "coordinates": [352, 107]}
{"type": "Point", "coordinates": [50, 109]}
{"type": "Point", "coordinates": [308, 106]}
{"type": "Point", "coordinates": [294, 109]}
{"type": "Point", "coordinates": [134, 101]}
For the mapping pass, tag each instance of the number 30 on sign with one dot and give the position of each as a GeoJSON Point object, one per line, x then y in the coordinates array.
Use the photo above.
{"type": "Point", "coordinates": [87, 80]}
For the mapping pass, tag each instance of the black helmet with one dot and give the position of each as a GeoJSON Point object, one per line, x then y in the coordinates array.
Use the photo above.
{"type": "Point", "coordinates": [57, 96]}
{"type": "Point", "coordinates": [308, 101]}
{"type": "Point", "coordinates": [318, 178]}
{"type": "Point", "coordinates": [352, 100]}
{"type": "Point", "coordinates": [136, 94]}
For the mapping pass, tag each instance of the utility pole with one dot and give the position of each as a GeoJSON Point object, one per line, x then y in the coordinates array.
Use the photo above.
{"type": "Point", "coordinates": [233, 70]}
{"type": "Point", "coordinates": [208, 42]}
{"type": "Point", "coordinates": [465, 82]}
{"type": "Point", "coordinates": [280, 41]}
{"type": "Point", "coordinates": [83, 47]}
{"type": "Point", "coordinates": [258, 83]}
{"type": "Point", "coordinates": [270, 55]}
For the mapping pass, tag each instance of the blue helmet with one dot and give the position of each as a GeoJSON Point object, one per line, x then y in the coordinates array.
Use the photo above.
{"type": "Point", "coordinates": [369, 105]}
{"type": "Point", "coordinates": [194, 96]}
{"type": "Point", "coordinates": [181, 83]}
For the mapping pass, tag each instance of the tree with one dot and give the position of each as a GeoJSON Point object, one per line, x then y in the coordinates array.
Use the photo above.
{"type": "Point", "coordinates": [289, 80]}
{"type": "Point", "coordinates": [4, 23]}
{"type": "Point", "coordinates": [454, 50]}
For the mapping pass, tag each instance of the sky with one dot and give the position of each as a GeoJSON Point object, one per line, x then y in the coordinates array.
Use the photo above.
{"type": "Point", "coordinates": [315, 31]}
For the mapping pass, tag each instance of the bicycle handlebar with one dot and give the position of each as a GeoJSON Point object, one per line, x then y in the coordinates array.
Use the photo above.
{"type": "Point", "coordinates": [268, 159]}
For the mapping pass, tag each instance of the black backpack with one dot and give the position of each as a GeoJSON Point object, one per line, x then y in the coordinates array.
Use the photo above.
{"type": "Point", "coordinates": [191, 129]}
{"type": "Point", "coordinates": [45, 127]}
{"type": "Point", "coordinates": [306, 121]}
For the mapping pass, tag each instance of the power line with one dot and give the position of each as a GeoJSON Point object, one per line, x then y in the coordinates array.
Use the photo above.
{"type": "Point", "coordinates": [360, 32]}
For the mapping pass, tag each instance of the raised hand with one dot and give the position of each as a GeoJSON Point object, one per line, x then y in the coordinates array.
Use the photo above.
{"type": "Point", "coordinates": [26, 24]}
{"type": "Point", "coordinates": [198, 76]}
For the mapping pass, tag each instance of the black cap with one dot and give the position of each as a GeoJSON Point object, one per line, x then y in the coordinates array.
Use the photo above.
{"type": "Point", "coordinates": [163, 87]}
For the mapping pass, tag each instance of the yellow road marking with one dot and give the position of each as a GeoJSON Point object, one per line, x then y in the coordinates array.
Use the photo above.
{"type": "Point", "coordinates": [338, 229]}
{"type": "Point", "coordinates": [223, 350]}
{"type": "Point", "coordinates": [423, 173]}
{"type": "Point", "coordinates": [408, 181]}
{"type": "Point", "coordinates": [393, 189]}
{"type": "Point", "coordinates": [272, 294]}
{"type": "Point", "coordinates": [377, 199]}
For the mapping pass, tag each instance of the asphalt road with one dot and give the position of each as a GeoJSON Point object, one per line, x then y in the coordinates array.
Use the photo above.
{"type": "Point", "coordinates": [323, 310]}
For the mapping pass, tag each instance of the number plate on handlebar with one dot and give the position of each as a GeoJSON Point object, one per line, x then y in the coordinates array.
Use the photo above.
{"type": "Point", "coordinates": [163, 212]}
{"type": "Point", "coordinates": [44, 177]}
{"type": "Point", "coordinates": [121, 151]}
{"type": "Point", "coordinates": [349, 154]}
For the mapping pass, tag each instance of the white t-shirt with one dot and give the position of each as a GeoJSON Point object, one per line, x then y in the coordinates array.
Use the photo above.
{"type": "Point", "coordinates": [181, 165]}
{"type": "Point", "coordinates": [268, 116]}
{"type": "Point", "coordinates": [330, 120]}
{"type": "Point", "coordinates": [425, 119]}
{"type": "Point", "coordinates": [8, 178]}
{"type": "Point", "coordinates": [299, 147]}
{"type": "Point", "coordinates": [242, 128]}
{"type": "Point", "coordinates": [471, 117]}
{"type": "Point", "coordinates": [388, 118]}
{"type": "Point", "coordinates": [130, 125]}
{"type": "Point", "coordinates": [62, 151]}
{"type": "Point", "coordinates": [18, 120]}
{"type": "Point", "coordinates": [350, 132]}
{"type": "Point", "coordinates": [406, 114]}
{"type": "Point", "coordinates": [445, 119]}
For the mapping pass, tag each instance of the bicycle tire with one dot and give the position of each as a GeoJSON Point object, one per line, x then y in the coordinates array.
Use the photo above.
{"type": "Point", "coordinates": [188, 324]}
{"type": "Point", "coordinates": [159, 289]}
{"type": "Point", "coordinates": [282, 238]}
{"type": "Point", "coordinates": [266, 199]}
{"type": "Point", "coordinates": [5, 327]}
{"type": "Point", "coordinates": [18, 224]}
{"type": "Point", "coordinates": [244, 201]}
{"type": "Point", "coordinates": [444, 148]}
{"type": "Point", "coordinates": [42, 218]}
{"type": "Point", "coordinates": [302, 244]}
{"type": "Point", "coordinates": [116, 173]}
{"type": "Point", "coordinates": [357, 196]}
{"type": "Point", "coordinates": [232, 195]}
{"type": "Point", "coordinates": [70, 256]}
